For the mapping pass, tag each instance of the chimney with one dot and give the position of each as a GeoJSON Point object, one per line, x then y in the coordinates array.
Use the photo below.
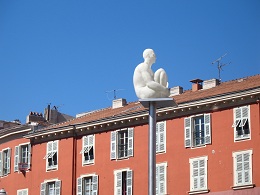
{"type": "Point", "coordinates": [196, 84]}
{"type": "Point", "coordinates": [34, 117]}
{"type": "Point", "coordinates": [117, 103]}
{"type": "Point", "coordinates": [176, 91]}
{"type": "Point", "coordinates": [210, 83]}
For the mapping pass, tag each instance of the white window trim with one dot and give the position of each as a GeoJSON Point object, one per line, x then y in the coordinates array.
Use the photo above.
{"type": "Point", "coordinates": [115, 179]}
{"type": "Point", "coordinates": [244, 185]}
{"type": "Point", "coordinates": [52, 168]}
{"type": "Point", "coordinates": [165, 165]}
{"type": "Point", "coordinates": [22, 191]}
{"type": "Point", "coordinates": [46, 181]}
{"type": "Point", "coordinates": [16, 166]}
{"type": "Point", "coordinates": [158, 137]}
{"type": "Point", "coordinates": [2, 162]}
{"type": "Point", "coordinates": [114, 144]}
{"type": "Point", "coordinates": [199, 190]}
{"type": "Point", "coordinates": [90, 162]}
{"type": "Point", "coordinates": [238, 139]}
{"type": "Point", "coordinates": [188, 130]}
{"type": "Point", "coordinates": [87, 175]}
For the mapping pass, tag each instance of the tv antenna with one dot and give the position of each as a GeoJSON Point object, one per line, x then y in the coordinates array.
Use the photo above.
{"type": "Point", "coordinates": [114, 91]}
{"type": "Point", "coordinates": [220, 64]}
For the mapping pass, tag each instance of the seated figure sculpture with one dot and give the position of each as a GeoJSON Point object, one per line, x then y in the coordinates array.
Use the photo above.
{"type": "Point", "coordinates": [148, 84]}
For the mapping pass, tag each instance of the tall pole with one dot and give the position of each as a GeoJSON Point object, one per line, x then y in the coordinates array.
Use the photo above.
{"type": "Point", "coordinates": [152, 149]}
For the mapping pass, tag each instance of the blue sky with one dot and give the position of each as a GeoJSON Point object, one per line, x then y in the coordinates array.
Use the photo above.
{"type": "Point", "coordinates": [72, 53]}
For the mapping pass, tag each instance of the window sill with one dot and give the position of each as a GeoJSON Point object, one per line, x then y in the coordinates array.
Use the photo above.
{"type": "Point", "coordinates": [243, 186]}
{"type": "Point", "coordinates": [199, 191]}
{"type": "Point", "coordinates": [238, 139]}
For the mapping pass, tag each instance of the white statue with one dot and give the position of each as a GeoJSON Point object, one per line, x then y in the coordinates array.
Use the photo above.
{"type": "Point", "coordinates": [148, 84]}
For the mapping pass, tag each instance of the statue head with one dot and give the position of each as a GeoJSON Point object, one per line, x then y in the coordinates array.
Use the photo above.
{"type": "Point", "coordinates": [149, 55]}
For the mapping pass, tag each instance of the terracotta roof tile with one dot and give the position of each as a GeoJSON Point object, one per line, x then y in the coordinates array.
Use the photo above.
{"type": "Point", "coordinates": [187, 96]}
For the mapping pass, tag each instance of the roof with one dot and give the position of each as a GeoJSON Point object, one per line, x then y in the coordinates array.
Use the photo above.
{"type": "Point", "coordinates": [187, 96]}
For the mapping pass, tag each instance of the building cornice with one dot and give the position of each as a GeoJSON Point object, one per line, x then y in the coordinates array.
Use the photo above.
{"type": "Point", "coordinates": [209, 104]}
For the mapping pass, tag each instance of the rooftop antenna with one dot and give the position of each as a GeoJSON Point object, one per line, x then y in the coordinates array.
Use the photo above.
{"type": "Point", "coordinates": [114, 91]}
{"type": "Point", "coordinates": [220, 64]}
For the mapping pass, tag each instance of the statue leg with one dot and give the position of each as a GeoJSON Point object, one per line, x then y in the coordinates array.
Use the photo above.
{"type": "Point", "coordinates": [160, 77]}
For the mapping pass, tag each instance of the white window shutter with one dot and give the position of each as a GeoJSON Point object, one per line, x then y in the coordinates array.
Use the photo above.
{"type": "Point", "coordinates": [8, 160]}
{"type": "Point", "coordinates": [43, 189]}
{"type": "Point", "coordinates": [244, 111]}
{"type": "Point", "coordinates": [162, 179]}
{"type": "Point", "coordinates": [29, 156]}
{"type": "Point", "coordinates": [129, 182]}
{"type": "Point", "coordinates": [118, 180]}
{"type": "Point", "coordinates": [95, 185]}
{"type": "Point", "coordinates": [187, 131]}
{"type": "Point", "coordinates": [162, 128]}
{"type": "Point", "coordinates": [49, 150]}
{"type": "Point", "coordinates": [16, 158]}
{"type": "Point", "coordinates": [79, 184]}
{"type": "Point", "coordinates": [57, 187]}
{"type": "Point", "coordinates": [237, 116]}
{"type": "Point", "coordinates": [130, 141]}
{"type": "Point", "coordinates": [207, 128]}
{"type": "Point", "coordinates": [247, 168]}
{"type": "Point", "coordinates": [113, 145]}
{"type": "Point", "coordinates": [1, 163]}
{"type": "Point", "coordinates": [55, 146]}
{"type": "Point", "coordinates": [239, 169]}
{"type": "Point", "coordinates": [202, 174]}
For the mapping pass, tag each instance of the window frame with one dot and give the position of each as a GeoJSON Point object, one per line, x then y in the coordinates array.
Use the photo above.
{"type": "Point", "coordinates": [128, 183]}
{"type": "Point", "coordinates": [189, 130]}
{"type": "Point", "coordinates": [199, 189]}
{"type": "Point", "coordinates": [88, 143]}
{"type": "Point", "coordinates": [95, 183]}
{"type": "Point", "coordinates": [161, 137]}
{"type": "Point", "coordinates": [114, 145]}
{"type": "Point", "coordinates": [5, 162]}
{"type": "Point", "coordinates": [44, 190]}
{"type": "Point", "coordinates": [243, 183]}
{"type": "Point", "coordinates": [23, 191]}
{"type": "Point", "coordinates": [51, 151]}
{"type": "Point", "coordinates": [18, 156]}
{"type": "Point", "coordinates": [238, 117]}
{"type": "Point", "coordinates": [161, 173]}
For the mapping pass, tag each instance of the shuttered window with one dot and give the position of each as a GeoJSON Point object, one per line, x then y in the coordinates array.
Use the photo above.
{"type": "Point", "coordinates": [88, 149]}
{"type": "Point", "coordinates": [123, 182]}
{"type": "Point", "coordinates": [161, 136]}
{"type": "Point", "coordinates": [52, 155]}
{"type": "Point", "coordinates": [242, 167]}
{"type": "Point", "coordinates": [87, 185]}
{"type": "Point", "coordinates": [5, 161]}
{"type": "Point", "coordinates": [161, 179]}
{"type": "Point", "coordinates": [197, 130]}
{"type": "Point", "coordinates": [22, 156]}
{"type": "Point", "coordinates": [198, 174]}
{"type": "Point", "coordinates": [51, 187]}
{"type": "Point", "coordinates": [241, 123]}
{"type": "Point", "coordinates": [122, 143]}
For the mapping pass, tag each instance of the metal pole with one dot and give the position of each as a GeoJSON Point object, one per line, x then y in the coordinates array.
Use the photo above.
{"type": "Point", "coordinates": [152, 149]}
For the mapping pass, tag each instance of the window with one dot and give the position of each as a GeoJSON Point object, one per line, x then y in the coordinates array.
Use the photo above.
{"type": "Point", "coordinates": [160, 136]}
{"type": "Point", "coordinates": [52, 155]}
{"type": "Point", "coordinates": [22, 192]}
{"type": "Point", "coordinates": [198, 174]}
{"type": "Point", "coordinates": [161, 179]}
{"type": "Point", "coordinates": [241, 123]}
{"type": "Point", "coordinates": [123, 182]}
{"type": "Point", "coordinates": [88, 185]}
{"type": "Point", "coordinates": [5, 161]}
{"type": "Point", "coordinates": [51, 187]}
{"type": "Point", "coordinates": [197, 130]}
{"type": "Point", "coordinates": [22, 157]}
{"type": "Point", "coordinates": [122, 143]}
{"type": "Point", "coordinates": [242, 168]}
{"type": "Point", "coordinates": [87, 149]}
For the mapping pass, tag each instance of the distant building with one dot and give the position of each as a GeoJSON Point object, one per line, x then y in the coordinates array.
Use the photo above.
{"type": "Point", "coordinates": [209, 144]}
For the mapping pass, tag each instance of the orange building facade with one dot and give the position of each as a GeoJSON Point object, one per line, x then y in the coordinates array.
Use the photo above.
{"type": "Point", "coordinates": [209, 144]}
